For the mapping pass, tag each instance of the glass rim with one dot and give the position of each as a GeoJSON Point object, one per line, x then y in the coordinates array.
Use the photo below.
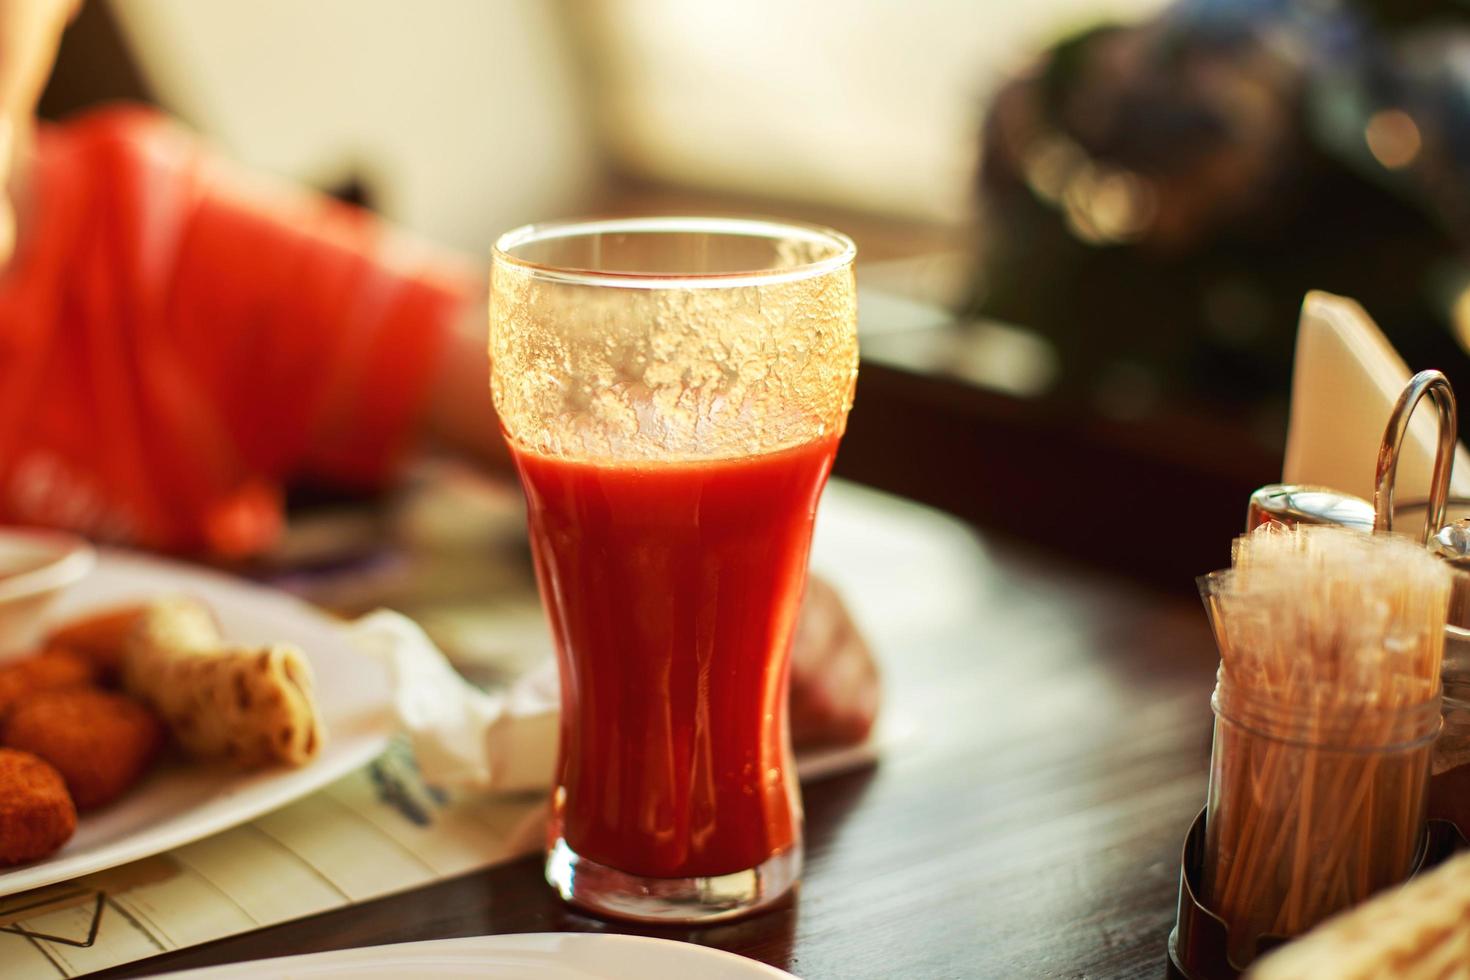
{"type": "Point", "coordinates": [844, 250]}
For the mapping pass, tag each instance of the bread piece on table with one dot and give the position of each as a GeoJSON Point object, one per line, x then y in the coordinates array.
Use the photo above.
{"type": "Point", "coordinates": [100, 741]}
{"type": "Point", "coordinates": [36, 814]}
{"type": "Point", "coordinates": [252, 705]}
{"type": "Point", "coordinates": [1418, 931]}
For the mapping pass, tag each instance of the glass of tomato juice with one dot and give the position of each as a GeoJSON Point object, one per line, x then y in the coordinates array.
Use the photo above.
{"type": "Point", "coordinates": [672, 391]}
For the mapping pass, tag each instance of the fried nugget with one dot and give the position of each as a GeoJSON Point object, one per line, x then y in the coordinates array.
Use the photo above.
{"type": "Point", "coordinates": [101, 742]}
{"type": "Point", "coordinates": [46, 671]}
{"type": "Point", "coordinates": [100, 637]}
{"type": "Point", "coordinates": [36, 814]}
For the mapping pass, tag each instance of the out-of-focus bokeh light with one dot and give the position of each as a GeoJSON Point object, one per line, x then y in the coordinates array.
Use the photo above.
{"type": "Point", "coordinates": [1049, 165]}
{"type": "Point", "coordinates": [1460, 318]}
{"type": "Point", "coordinates": [1393, 138]}
{"type": "Point", "coordinates": [1105, 205]}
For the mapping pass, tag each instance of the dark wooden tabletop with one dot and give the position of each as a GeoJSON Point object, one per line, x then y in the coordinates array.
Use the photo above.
{"type": "Point", "coordinates": [1047, 740]}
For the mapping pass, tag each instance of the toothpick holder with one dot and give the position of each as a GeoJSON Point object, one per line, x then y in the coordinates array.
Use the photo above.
{"type": "Point", "coordinates": [1198, 941]}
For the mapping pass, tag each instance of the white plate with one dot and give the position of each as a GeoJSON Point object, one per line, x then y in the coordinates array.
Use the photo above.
{"type": "Point", "coordinates": [544, 955]}
{"type": "Point", "coordinates": [183, 802]}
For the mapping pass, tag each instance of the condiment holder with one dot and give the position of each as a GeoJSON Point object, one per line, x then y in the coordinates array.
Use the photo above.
{"type": "Point", "coordinates": [1197, 943]}
{"type": "Point", "coordinates": [1199, 946]}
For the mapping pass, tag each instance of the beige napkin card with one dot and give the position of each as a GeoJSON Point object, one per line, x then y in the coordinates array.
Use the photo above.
{"type": "Point", "coordinates": [1346, 379]}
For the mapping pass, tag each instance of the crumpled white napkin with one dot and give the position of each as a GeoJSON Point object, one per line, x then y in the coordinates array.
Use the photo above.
{"type": "Point", "coordinates": [463, 736]}
{"type": "Point", "coordinates": [505, 742]}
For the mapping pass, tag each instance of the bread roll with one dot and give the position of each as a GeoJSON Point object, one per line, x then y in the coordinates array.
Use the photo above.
{"type": "Point", "coordinates": [1418, 931]}
{"type": "Point", "coordinates": [252, 705]}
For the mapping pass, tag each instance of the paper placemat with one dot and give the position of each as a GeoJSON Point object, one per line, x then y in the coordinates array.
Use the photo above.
{"type": "Point", "coordinates": [301, 860]}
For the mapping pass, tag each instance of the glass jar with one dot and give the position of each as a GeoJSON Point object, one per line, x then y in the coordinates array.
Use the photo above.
{"type": "Point", "coordinates": [1313, 806]}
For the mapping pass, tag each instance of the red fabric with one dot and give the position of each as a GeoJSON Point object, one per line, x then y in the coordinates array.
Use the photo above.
{"type": "Point", "coordinates": [178, 339]}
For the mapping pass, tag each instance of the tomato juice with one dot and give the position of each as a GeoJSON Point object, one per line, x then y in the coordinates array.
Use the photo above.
{"type": "Point", "coordinates": [673, 590]}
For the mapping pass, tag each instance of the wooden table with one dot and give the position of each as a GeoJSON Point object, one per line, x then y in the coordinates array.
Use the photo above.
{"type": "Point", "coordinates": [1048, 735]}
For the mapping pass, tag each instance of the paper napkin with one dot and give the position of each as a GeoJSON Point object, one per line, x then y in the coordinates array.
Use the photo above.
{"type": "Point", "coordinates": [504, 741]}
{"type": "Point", "coordinates": [463, 736]}
{"type": "Point", "coordinates": [1345, 382]}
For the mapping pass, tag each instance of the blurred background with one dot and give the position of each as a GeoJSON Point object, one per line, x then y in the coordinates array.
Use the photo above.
{"type": "Point", "coordinates": [1085, 226]}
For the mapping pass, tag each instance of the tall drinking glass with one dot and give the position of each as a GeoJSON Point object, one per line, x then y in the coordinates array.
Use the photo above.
{"type": "Point", "coordinates": [672, 391]}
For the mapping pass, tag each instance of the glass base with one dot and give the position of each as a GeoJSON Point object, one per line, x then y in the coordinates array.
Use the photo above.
{"type": "Point", "coordinates": [609, 892]}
